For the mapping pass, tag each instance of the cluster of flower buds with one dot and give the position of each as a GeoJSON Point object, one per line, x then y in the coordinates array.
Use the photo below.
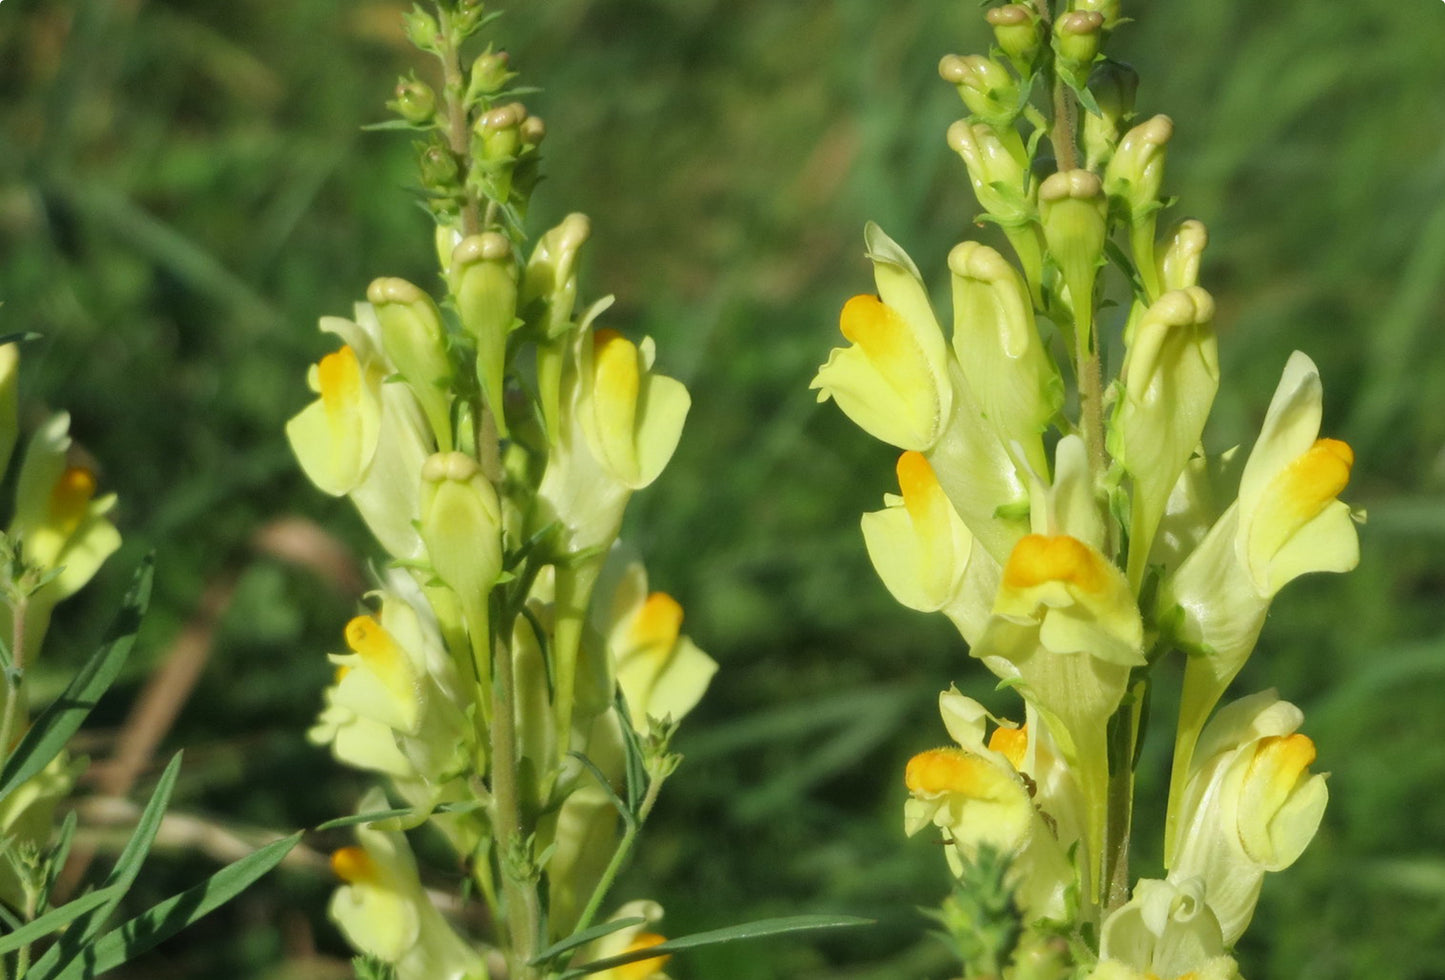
{"type": "Point", "coordinates": [1075, 553]}
{"type": "Point", "coordinates": [59, 535]}
{"type": "Point", "coordinates": [512, 677]}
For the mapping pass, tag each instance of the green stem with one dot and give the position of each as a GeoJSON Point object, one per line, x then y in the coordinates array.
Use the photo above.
{"type": "Point", "coordinates": [15, 679]}
{"type": "Point", "coordinates": [518, 874]}
{"type": "Point", "coordinates": [1123, 740]}
{"type": "Point", "coordinates": [620, 856]}
{"type": "Point", "coordinates": [574, 589]}
{"type": "Point", "coordinates": [458, 128]}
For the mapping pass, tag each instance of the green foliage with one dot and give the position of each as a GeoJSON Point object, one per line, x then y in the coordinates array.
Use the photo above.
{"type": "Point", "coordinates": [184, 189]}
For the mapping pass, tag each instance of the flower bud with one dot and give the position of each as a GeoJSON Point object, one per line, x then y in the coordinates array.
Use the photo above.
{"type": "Point", "coordinates": [421, 28]}
{"type": "Point", "coordinates": [1016, 30]}
{"type": "Point", "coordinates": [999, 173]}
{"type": "Point", "coordinates": [490, 72]}
{"type": "Point", "coordinates": [1077, 36]}
{"type": "Point", "coordinates": [414, 339]}
{"type": "Point", "coordinates": [439, 170]}
{"type": "Point", "coordinates": [1074, 216]}
{"type": "Point", "coordinates": [461, 523]}
{"type": "Point", "coordinates": [551, 276]}
{"type": "Point", "coordinates": [533, 131]}
{"type": "Point", "coordinates": [1179, 265]}
{"type": "Point", "coordinates": [999, 348]}
{"type": "Point", "coordinates": [414, 101]}
{"type": "Point", "coordinates": [985, 86]}
{"type": "Point", "coordinates": [1171, 374]}
{"type": "Point", "coordinates": [1113, 85]}
{"type": "Point", "coordinates": [498, 133]}
{"type": "Point", "coordinates": [1107, 9]}
{"type": "Point", "coordinates": [1136, 172]}
{"type": "Point", "coordinates": [484, 283]}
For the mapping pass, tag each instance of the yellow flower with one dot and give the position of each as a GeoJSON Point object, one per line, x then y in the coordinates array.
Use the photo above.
{"type": "Point", "coordinates": [1065, 632]}
{"type": "Point", "coordinates": [631, 417]}
{"type": "Point", "coordinates": [925, 554]}
{"type": "Point", "coordinates": [1166, 931]}
{"type": "Point", "coordinates": [59, 521]}
{"type": "Point", "coordinates": [1286, 521]}
{"type": "Point", "coordinates": [977, 794]}
{"type": "Point", "coordinates": [1251, 805]}
{"type": "Point", "coordinates": [662, 673]}
{"type": "Point", "coordinates": [383, 910]}
{"type": "Point", "coordinates": [892, 380]}
{"type": "Point", "coordinates": [364, 438]}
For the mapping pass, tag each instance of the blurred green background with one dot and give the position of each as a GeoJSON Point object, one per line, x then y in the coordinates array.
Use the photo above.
{"type": "Point", "coordinates": [185, 189]}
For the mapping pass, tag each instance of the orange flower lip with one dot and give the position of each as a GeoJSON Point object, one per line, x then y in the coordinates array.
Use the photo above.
{"type": "Point", "coordinates": [353, 865]}
{"type": "Point", "coordinates": [658, 622]}
{"type": "Point", "coordinates": [339, 376]}
{"type": "Point", "coordinates": [1037, 559]}
{"type": "Point", "coordinates": [1011, 743]}
{"type": "Point", "coordinates": [946, 771]}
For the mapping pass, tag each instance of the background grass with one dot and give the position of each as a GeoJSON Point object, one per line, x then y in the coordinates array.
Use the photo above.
{"type": "Point", "coordinates": [184, 189]}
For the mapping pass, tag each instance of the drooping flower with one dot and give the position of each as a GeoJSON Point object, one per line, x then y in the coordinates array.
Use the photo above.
{"type": "Point", "coordinates": [1287, 520]}
{"type": "Point", "coordinates": [1251, 805]}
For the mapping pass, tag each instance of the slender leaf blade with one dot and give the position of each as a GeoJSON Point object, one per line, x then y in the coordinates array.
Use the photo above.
{"type": "Point", "coordinates": [584, 937]}
{"type": "Point", "coordinates": [169, 917]}
{"type": "Point", "coordinates": [73, 944]}
{"type": "Point", "coordinates": [63, 718]}
{"type": "Point", "coordinates": [54, 920]}
{"type": "Point", "coordinates": [761, 929]}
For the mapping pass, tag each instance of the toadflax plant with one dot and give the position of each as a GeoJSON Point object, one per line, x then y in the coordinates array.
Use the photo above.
{"type": "Point", "coordinates": [513, 682]}
{"type": "Point", "coordinates": [1078, 535]}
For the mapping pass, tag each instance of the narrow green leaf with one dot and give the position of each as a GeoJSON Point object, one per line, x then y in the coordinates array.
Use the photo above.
{"type": "Point", "coordinates": [164, 920]}
{"type": "Point", "coordinates": [58, 722]}
{"type": "Point", "coordinates": [584, 937]}
{"type": "Point", "coordinates": [376, 816]}
{"type": "Point", "coordinates": [55, 860]}
{"type": "Point", "coordinates": [19, 336]}
{"type": "Point", "coordinates": [372, 817]}
{"type": "Point", "coordinates": [731, 934]}
{"type": "Point", "coordinates": [73, 944]}
{"type": "Point", "coordinates": [54, 920]}
{"type": "Point", "coordinates": [597, 774]}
